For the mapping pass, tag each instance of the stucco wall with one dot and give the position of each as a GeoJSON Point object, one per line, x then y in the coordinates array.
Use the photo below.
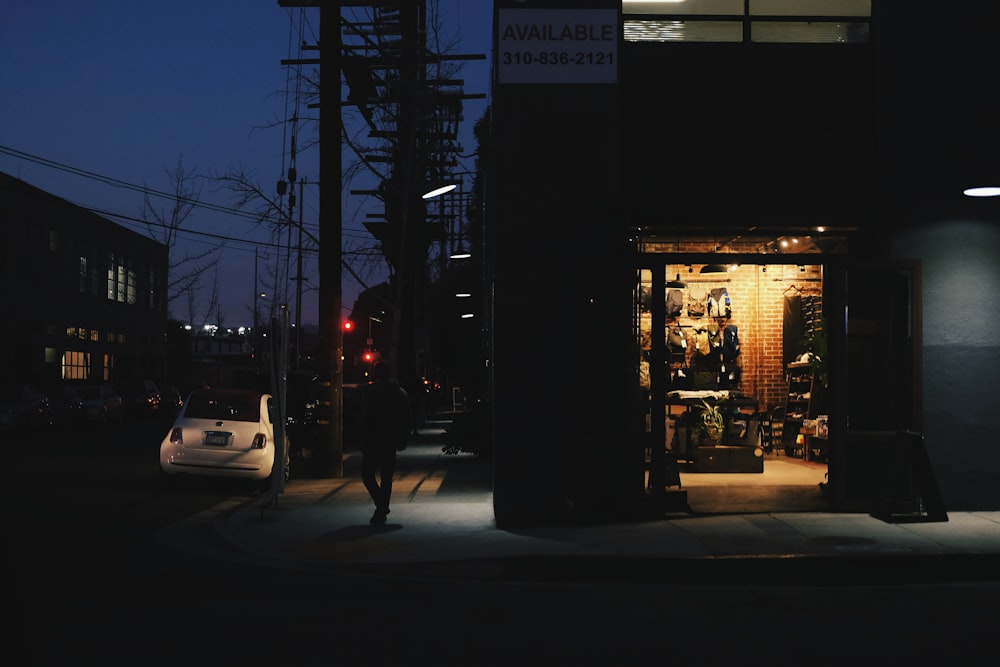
{"type": "Point", "coordinates": [961, 278]}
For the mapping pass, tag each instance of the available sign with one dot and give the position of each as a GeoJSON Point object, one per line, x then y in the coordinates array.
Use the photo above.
{"type": "Point", "coordinates": [557, 46]}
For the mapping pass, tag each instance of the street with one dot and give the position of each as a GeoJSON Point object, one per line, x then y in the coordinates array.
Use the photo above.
{"type": "Point", "coordinates": [92, 584]}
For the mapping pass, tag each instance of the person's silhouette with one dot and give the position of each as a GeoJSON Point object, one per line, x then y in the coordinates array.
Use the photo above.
{"type": "Point", "coordinates": [383, 429]}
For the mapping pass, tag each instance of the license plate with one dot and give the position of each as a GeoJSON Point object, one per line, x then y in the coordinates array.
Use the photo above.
{"type": "Point", "coordinates": [217, 439]}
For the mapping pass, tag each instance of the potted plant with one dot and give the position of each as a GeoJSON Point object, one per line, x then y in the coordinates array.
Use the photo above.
{"type": "Point", "coordinates": [815, 345]}
{"type": "Point", "coordinates": [713, 424]}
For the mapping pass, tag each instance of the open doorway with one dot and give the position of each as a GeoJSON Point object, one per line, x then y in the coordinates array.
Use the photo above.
{"type": "Point", "coordinates": [745, 343]}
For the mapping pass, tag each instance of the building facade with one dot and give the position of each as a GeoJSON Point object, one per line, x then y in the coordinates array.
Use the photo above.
{"type": "Point", "coordinates": [794, 156]}
{"type": "Point", "coordinates": [84, 298]}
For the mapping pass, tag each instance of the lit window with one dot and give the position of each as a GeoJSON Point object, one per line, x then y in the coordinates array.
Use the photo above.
{"type": "Point", "coordinates": [728, 21]}
{"type": "Point", "coordinates": [75, 365]}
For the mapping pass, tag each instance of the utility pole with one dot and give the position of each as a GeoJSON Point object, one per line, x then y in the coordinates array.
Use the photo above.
{"type": "Point", "coordinates": [331, 352]}
{"type": "Point", "coordinates": [330, 364]}
{"type": "Point", "coordinates": [384, 63]}
{"type": "Point", "coordinates": [298, 284]}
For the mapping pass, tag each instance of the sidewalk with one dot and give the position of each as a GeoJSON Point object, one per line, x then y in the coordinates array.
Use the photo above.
{"type": "Point", "coordinates": [442, 524]}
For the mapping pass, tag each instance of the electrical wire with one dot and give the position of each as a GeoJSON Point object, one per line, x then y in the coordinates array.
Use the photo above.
{"type": "Point", "coordinates": [114, 182]}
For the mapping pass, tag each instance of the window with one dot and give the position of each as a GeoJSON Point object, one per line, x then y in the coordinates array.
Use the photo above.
{"type": "Point", "coordinates": [112, 279]}
{"type": "Point", "coordinates": [809, 32]}
{"type": "Point", "coordinates": [84, 276]}
{"type": "Point", "coordinates": [828, 21]}
{"type": "Point", "coordinates": [75, 365]}
{"type": "Point", "coordinates": [683, 31]}
{"type": "Point", "coordinates": [683, 7]}
{"type": "Point", "coordinates": [811, 8]}
{"type": "Point", "coordinates": [237, 406]}
{"type": "Point", "coordinates": [130, 286]}
{"type": "Point", "coordinates": [121, 280]}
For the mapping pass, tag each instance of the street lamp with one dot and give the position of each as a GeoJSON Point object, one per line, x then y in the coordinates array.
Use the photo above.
{"type": "Point", "coordinates": [438, 191]}
{"type": "Point", "coordinates": [372, 318]}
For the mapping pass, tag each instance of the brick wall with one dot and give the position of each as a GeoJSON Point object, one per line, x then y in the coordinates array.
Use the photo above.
{"type": "Point", "coordinates": [757, 294]}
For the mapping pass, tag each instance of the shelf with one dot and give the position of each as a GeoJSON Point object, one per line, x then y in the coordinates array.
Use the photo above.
{"type": "Point", "coordinates": [798, 407]}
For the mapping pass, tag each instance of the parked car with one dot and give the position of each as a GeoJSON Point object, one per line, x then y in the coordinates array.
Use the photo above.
{"type": "Point", "coordinates": [140, 398]}
{"type": "Point", "coordinates": [66, 404]}
{"type": "Point", "coordinates": [101, 404]}
{"type": "Point", "coordinates": [222, 432]}
{"type": "Point", "coordinates": [303, 396]}
{"type": "Point", "coordinates": [306, 409]}
{"type": "Point", "coordinates": [23, 408]}
{"type": "Point", "coordinates": [173, 400]}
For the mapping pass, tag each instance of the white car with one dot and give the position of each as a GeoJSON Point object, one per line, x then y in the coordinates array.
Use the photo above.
{"type": "Point", "coordinates": [222, 433]}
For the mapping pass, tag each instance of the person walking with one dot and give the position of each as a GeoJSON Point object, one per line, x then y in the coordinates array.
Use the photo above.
{"type": "Point", "coordinates": [384, 427]}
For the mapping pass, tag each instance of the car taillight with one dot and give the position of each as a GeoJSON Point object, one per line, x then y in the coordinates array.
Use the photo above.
{"type": "Point", "coordinates": [176, 436]}
{"type": "Point", "coordinates": [259, 441]}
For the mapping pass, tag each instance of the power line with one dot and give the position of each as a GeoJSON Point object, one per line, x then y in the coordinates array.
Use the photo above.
{"type": "Point", "coordinates": [108, 180]}
{"type": "Point", "coordinates": [114, 182]}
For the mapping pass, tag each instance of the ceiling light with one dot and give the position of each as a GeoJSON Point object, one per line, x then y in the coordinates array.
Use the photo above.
{"type": "Point", "coordinates": [677, 283]}
{"type": "Point", "coordinates": [714, 268]}
{"type": "Point", "coordinates": [986, 191]}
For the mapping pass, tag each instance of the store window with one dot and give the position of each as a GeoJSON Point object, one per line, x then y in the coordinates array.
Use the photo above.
{"type": "Point", "coordinates": [750, 336]}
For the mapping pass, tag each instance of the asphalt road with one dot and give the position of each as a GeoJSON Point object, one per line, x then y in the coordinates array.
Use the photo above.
{"type": "Point", "coordinates": [89, 583]}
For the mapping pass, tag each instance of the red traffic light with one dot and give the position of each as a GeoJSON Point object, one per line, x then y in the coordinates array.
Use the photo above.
{"type": "Point", "coordinates": [368, 356]}
{"type": "Point", "coordinates": [347, 325]}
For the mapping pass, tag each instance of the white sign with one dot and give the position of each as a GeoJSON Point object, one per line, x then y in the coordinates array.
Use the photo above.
{"type": "Point", "coordinates": [557, 46]}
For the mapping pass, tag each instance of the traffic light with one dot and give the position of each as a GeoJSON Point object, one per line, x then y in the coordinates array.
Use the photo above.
{"type": "Point", "coordinates": [368, 356]}
{"type": "Point", "coordinates": [347, 325]}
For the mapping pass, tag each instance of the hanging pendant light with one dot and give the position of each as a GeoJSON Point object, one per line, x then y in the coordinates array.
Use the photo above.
{"type": "Point", "coordinates": [677, 283]}
{"type": "Point", "coordinates": [714, 268]}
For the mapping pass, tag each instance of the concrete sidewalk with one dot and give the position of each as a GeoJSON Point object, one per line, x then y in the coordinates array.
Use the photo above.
{"type": "Point", "coordinates": [442, 524]}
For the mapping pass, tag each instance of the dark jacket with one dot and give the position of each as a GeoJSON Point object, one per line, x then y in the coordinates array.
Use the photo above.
{"type": "Point", "coordinates": [385, 417]}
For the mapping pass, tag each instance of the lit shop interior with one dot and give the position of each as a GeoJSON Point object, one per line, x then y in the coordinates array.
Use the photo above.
{"type": "Point", "coordinates": [732, 354]}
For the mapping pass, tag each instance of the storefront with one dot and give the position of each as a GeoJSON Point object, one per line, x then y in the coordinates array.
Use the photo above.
{"type": "Point", "coordinates": [746, 338]}
{"type": "Point", "coordinates": [742, 334]}
{"type": "Point", "coordinates": [749, 140]}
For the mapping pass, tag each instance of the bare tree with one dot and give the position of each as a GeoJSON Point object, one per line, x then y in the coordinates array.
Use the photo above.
{"type": "Point", "coordinates": [186, 270]}
{"type": "Point", "coordinates": [267, 210]}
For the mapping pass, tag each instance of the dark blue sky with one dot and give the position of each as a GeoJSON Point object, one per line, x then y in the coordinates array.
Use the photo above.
{"type": "Point", "coordinates": [124, 89]}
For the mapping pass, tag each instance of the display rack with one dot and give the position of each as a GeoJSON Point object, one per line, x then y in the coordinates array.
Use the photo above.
{"type": "Point", "coordinates": [799, 405]}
